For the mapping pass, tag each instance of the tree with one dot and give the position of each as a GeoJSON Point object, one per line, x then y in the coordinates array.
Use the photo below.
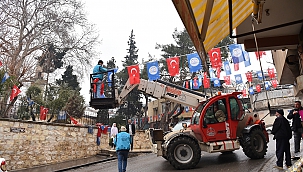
{"type": "Point", "coordinates": [28, 28]}
{"type": "Point", "coordinates": [133, 104]}
{"type": "Point", "coordinates": [69, 79]}
{"type": "Point", "coordinates": [183, 45]}
{"type": "Point", "coordinates": [75, 106]}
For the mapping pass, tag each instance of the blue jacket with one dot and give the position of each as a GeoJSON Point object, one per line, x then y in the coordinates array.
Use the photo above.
{"type": "Point", "coordinates": [122, 141]}
{"type": "Point", "coordinates": [98, 69]}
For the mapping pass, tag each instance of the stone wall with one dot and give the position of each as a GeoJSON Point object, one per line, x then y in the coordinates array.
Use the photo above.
{"type": "Point", "coordinates": [25, 144]}
{"type": "Point", "coordinates": [28, 144]}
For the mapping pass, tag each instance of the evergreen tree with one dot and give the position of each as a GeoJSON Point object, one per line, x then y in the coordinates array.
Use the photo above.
{"type": "Point", "coordinates": [183, 45]}
{"type": "Point", "coordinates": [69, 79]}
{"type": "Point", "coordinates": [132, 105]}
{"type": "Point", "coordinates": [75, 106]}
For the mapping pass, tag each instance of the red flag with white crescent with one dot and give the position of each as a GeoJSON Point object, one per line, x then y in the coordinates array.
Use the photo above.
{"type": "Point", "coordinates": [271, 73]}
{"type": "Point", "coordinates": [244, 93]}
{"type": "Point", "coordinates": [260, 54]}
{"type": "Point", "coordinates": [173, 66]}
{"type": "Point", "coordinates": [15, 92]}
{"type": "Point", "coordinates": [227, 80]}
{"type": "Point", "coordinates": [258, 88]}
{"type": "Point", "coordinates": [236, 66]}
{"type": "Point", "coordinates": [43, 112]}
{"type": "Point", "coordinates": [274, 83]}
{"type": "Point", "coordinates": [134, 74]}
{"type": "Point", "coordinates": [249, 76]}
{"type": "Point", "coordinates": [206, 81]}
{"type": "Point", "coordinates": [215, 57]}
{"type": "Point", "coordinates": [73, 120]}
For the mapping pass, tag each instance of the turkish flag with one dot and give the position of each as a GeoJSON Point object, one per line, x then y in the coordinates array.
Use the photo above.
{"type": "Point", "coordinates": [43, 112]}
{"type": "Point", "coordinates": [227, 80]}
{"type": "Point", "coordinates": [104, 131]}
{"type": "Point", "coordinates": [215, 57]}
{"type": "Point", "coordinates": [15, 92]}
{"type": "Point", "coordinates": [260, 54]}
{"type": "Point", "coordinates": [249, 76]}
{"type": "Point", "coordinates": [236, 66]}
{"type": "Point", "coordinates": [186, 84]}
{"type": "Point", "coordinates": [244, 93]}
{"type": "Point", "coordinates": [206, 82]}
{"type": "Point", "coordinates": [134, 74]}
{"type": "Point", "coordinates": [173, 66]}
{"type": "Point", "coordinates": [258, 88]}
{"type": "Point", "coordinates": [271, 72]}
{"type": "Point", "coordinates": [218, 71]}
{"type": "Point", "coordinates": [73, 120]}
{"type": "Point", "coordinates": [195, 83]}
{"type": "Point", "coordinates": [274, 83]}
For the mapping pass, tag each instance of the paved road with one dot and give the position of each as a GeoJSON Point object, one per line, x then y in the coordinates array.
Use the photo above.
{"type": "Point", "coordinates": [236, 161]}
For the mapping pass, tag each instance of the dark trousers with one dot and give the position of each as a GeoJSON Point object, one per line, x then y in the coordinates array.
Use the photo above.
{"type": "Point", "coordinates": [283, 146]}
{"type": "Point", "coordinates": [132, 142]}
{"type": "Point", "coordinates": [122, 160]}
{"type": "Point", "coordinates": [297, 139]}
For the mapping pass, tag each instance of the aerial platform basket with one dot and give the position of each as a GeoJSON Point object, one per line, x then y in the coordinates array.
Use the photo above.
{"type": "Point", "coordinates": [108, 100]}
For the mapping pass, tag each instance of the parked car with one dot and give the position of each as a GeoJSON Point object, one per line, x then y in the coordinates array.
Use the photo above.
{"type": "Point", "coordinates": [179, 125]}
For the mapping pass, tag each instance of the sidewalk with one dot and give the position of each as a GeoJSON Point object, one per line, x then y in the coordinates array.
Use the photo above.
{"type": "Point", "coordinates": [103, 156]}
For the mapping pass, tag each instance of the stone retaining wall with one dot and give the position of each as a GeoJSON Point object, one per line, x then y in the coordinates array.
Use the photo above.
{"type": "Point", "coordinates": [25, 144]}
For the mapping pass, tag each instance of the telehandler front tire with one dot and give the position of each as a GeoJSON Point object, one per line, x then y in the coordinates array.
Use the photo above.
{"type": "Point", "coordinates": [183, 153]}
{"type": "Point", "coordinates": [254, 144]}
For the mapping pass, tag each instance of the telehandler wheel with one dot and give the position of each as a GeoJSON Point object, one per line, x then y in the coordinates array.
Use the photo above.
{"type": "Point", "coordinates": [254, 144]}
{"type": "Point", "coordinates": [183, 153]}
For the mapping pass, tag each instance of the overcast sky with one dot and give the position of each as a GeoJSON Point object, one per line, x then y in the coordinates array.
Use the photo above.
{"type": "Point", "coordinates": [152, 22]}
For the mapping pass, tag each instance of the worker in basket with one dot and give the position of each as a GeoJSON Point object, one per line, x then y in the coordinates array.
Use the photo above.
{"type": "Point", "coordinates": [98, 85]}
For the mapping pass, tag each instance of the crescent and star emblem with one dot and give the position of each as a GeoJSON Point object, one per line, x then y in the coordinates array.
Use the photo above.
{"type": "Point", "coordinates": [133, 69]}
{"type": "Point", "coordinates": [213, 54]}
{"type": "Point", "coordinates": [171, 62]}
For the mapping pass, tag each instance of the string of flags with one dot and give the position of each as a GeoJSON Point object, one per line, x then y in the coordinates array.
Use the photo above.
{"type": "Point", "coordinates": [195, 65]}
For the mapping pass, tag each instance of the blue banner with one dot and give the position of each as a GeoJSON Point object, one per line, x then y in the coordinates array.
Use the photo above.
{"type": "Point", "coordinates": [260, 75]}
{"type": "Point", "coordinates": [217, 82]}
{"type": "Point", "coordinates": [246, 59]}
{"type": "Point", "coordinates": [236, 53]}
{"type": "Point", "coordinates": [227, 68]}
{"type": "Point", "coordinates": [238, 79]}
{"type": "Point", "coordinates": [251, 91]}
{"type": "Point", "coordinates": [194, 62]}
{"type": "Point", "coordinates": [153, 70]}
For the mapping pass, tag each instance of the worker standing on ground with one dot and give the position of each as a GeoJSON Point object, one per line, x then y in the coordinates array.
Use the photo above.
{"type": "Point", "coordinates": [122, 142]}
{"type": "Point", "coordinates": [97, 79]}
{"type": "Point", "coordinates": [282, 134]}
{"type": "Point", "coordinates": [131, 130]}
{"type": "Point", "coordinates": [296, 126]}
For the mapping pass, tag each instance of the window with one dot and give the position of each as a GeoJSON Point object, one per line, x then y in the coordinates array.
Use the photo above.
{"type": "Point", "coordinates": [197, 113]}
{"type": "Point", "coordinates": [216, 112]}
{"type": "Point", "coordinates": [234, 109]}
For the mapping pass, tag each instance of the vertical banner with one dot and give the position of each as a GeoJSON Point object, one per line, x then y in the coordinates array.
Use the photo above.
{"type": "Point", "coordinates": [238, 79]}
{"type": "Point", "coordinates": [173, 66]}
{"type": "Point", "coordinates": [194, 62]}
{"type": "Point", "coordinates": [153, 70]}
{"type": "Point", "coordinates": [227, 68]}
{"type": "Point", "coordinates": [215, 57]}
{"type": "Point", "coordinates": [134, 74]}
{"type": "Point", "coordinates": [249, 76]}
{"type": "Point", "coordinates": [236, 53]}
{"type": "Point", "coordinates": [227, 80]}
{"type": "Point", "coordinates": [246, 59]}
